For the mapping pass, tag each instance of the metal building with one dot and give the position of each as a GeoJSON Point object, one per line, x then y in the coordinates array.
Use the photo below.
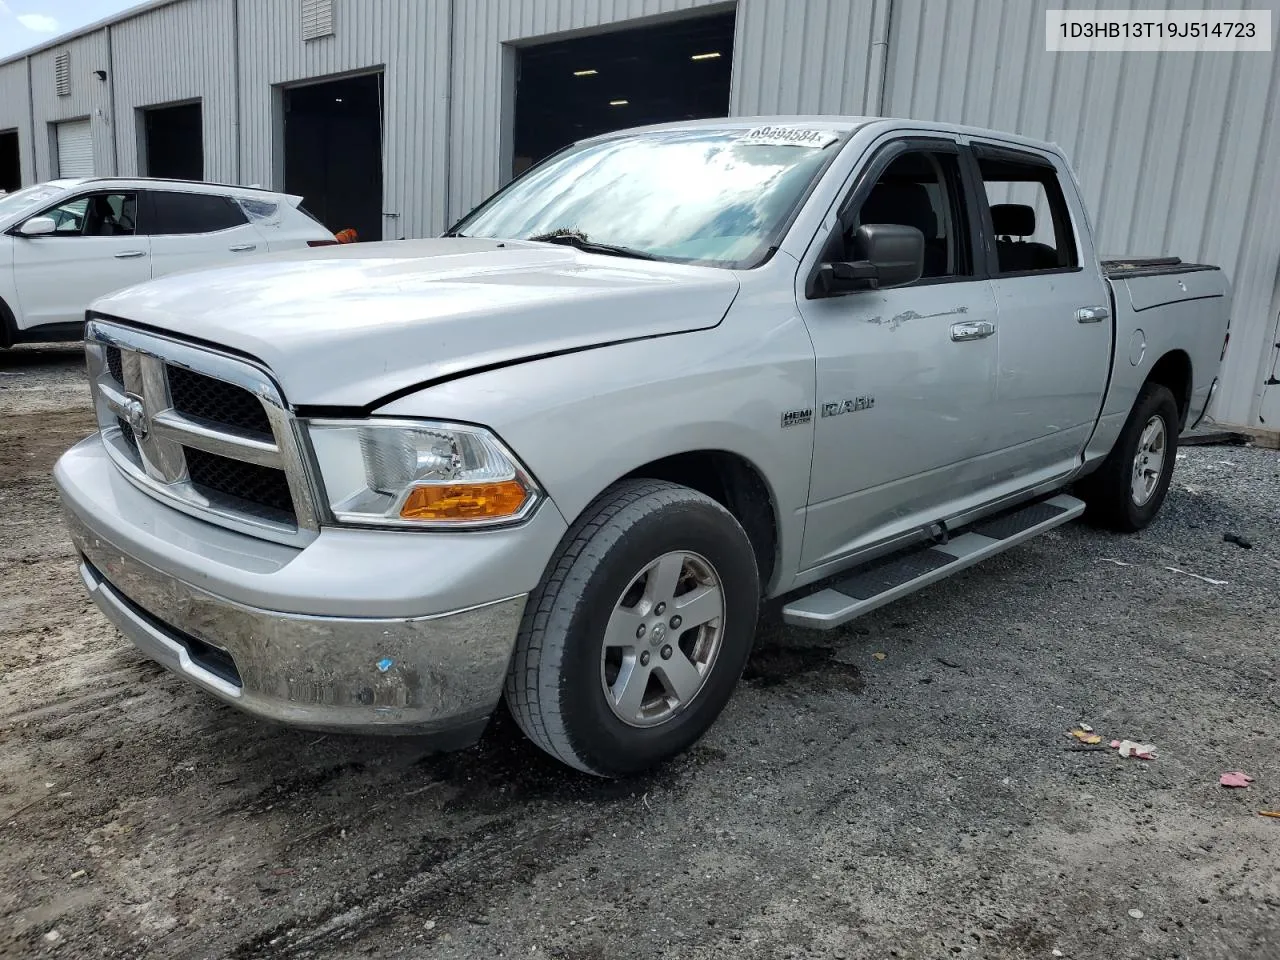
{"type": "Point", "coordinates": [1177, 153]}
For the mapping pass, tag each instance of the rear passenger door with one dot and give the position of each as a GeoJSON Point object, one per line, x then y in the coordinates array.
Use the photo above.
{"type": "Point", "coordinates": [193, 230]}
{"type": "Point", "coordinates": [1055, 329]}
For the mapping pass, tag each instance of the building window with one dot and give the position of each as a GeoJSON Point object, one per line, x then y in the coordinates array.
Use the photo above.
{"type": "Point", "coordinates": [317, 19]}
{"type": "Point", "coordinates": [62, 74]}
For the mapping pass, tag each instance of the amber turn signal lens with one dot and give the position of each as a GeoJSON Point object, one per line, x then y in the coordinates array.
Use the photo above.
{"type": "Point", "coordinates": [465, 501]}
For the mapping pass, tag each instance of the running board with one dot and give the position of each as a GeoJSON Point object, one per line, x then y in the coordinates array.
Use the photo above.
{"type": "Point", "coordinates": [885, 581]}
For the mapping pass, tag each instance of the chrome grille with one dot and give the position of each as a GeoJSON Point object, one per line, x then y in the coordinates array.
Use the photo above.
{"type": "Point", "coordinates": [126, 434]}
{"type": "Point", "coordinates": [114, 365]}
{"type": "Point", "coordinates": [257, 488]}
{"type": "Point", "coordinates": [216, 401]}
{"type": "Point", "coordinates": [204, 431]}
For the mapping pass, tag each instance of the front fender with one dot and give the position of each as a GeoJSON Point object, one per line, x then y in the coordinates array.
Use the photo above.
{"type": "Point", "coordinates": [582, 421]}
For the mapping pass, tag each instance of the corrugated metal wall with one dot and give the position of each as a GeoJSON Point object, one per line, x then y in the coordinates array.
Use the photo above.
{"type": "Point", "coordinates": [1177, 153]}
{"type": "Point", "coordinates": [89, 98]}
{"type": "Point", "coordinates": [812, 57]}
{"type": "Point", "coordinates": [184, 51]}
{"type": "Point", "coordinates": [409, 41]}
{"type": "Point", "coordinates": [14, 112]}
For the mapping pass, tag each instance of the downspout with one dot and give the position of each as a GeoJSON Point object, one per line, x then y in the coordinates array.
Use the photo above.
{"type": "Point", "coordinates": [111, 105]}
{"type": "Point", "coordinates": [31, 115]}
{"type": "Point", "coordinates": [878, 67]}
{"type": "Point", "coordinates": [448, 127]}
{"type": "Point", "coordinates": [235, 69]}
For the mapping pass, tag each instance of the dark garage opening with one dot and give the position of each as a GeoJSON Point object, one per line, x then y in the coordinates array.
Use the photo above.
{"type": "Point", "coordinates": [571, 89]}
{"type": "Point", "coordinates": [10, 164]}
{"type": "Point", "coordinates": [175, 142]}
{"type": "Point", "coordinates": [333, 152]}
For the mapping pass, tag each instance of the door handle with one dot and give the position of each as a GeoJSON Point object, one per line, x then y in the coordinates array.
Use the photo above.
{"type": "Point", "coordinates": [1092, 314]}
{"type": "Point", "coordinates": [242, 247]}
{"type": "Point", "coordinates": [972, 330]}
{"type": "Point", "coordinates": [130, 254]}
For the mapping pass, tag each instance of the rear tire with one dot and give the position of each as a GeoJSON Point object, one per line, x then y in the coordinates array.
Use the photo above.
{"type": "Point", "coordinates": [607, 676]}
{"type": "Point", "coordinates": [1127, 491]}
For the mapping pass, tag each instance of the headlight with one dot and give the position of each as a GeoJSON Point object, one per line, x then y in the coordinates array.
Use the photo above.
{"type": "Point", "coordinates": [417, 473]}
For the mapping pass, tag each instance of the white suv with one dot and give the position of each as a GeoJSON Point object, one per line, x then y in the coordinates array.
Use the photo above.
{"type": "Point", "coordinates": [65, 243]}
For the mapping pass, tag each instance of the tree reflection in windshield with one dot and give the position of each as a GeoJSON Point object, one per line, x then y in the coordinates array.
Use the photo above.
{"type": "Point", "coordinates": [698, 196]}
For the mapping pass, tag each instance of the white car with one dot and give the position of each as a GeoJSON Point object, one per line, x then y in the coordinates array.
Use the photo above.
{"type": "Point", "coordinates": [65, 243]}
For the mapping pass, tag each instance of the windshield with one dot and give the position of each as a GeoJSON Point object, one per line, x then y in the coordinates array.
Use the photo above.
{"type": "Point", "coordinates": [717, 197]}
{"type": "Point", "coordinates": [28, 199]}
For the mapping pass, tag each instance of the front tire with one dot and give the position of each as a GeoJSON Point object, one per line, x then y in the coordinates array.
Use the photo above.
{"type": "Point", "coordinates": [634, 640]}
{"type": "Point", "coordinates": [1127, 491]}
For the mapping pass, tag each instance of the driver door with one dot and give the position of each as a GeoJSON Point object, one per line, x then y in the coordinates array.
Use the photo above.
{"type": "Point", "coordinates": [93, 251]}
{"type": "Point", "coordinates": [906, 376]}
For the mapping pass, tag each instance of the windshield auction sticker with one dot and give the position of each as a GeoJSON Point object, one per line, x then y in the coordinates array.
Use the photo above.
{"type": "Point", "coordinates": [1101, 31]}
{"type": "Point", "coordinates": [790, 137]}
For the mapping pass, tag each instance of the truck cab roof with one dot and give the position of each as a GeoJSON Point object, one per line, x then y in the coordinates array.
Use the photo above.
{"type": "Point", "coordinates": [840, 123]}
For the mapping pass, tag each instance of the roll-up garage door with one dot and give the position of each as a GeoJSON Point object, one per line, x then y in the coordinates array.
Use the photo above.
{"type": "Point", "coordinates": [75, 149]}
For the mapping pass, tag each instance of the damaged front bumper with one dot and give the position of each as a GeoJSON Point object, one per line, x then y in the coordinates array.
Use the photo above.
{"type": "Point", "coordinates": [190, 596]}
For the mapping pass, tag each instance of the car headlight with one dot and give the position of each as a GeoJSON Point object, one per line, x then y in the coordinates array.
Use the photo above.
{"type": "Point", "coordinates": [419, 473]}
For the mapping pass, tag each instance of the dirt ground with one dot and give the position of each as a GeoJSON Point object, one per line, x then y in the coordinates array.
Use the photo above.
{"type": "Point", "coordinates": [928, 804]}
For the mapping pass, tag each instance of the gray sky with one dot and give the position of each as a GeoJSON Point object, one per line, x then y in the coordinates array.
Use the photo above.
{"type": "Point", "coordinates": [25, 23]}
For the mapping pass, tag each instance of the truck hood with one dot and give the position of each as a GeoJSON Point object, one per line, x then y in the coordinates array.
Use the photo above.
{"type": "Point", "coordinates": [348, 325]}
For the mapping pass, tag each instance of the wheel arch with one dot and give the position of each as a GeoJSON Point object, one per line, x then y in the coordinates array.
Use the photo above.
{"type": "Point", "coordinates": [735, 483]}
{"type": "Point", "coordinates": [1173, 371]}
{"type": "Point", "coordinates": [8, 325]}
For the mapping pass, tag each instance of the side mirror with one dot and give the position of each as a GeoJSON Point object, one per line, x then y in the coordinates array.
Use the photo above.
{"type": "Point", "coordinates": [38, 227]}
{"type": "Point", "coordinates": [885, 255]}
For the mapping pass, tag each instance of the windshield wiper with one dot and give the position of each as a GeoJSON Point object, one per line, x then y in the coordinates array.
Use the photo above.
{"type": "Point", "coordinates": [569, 238]}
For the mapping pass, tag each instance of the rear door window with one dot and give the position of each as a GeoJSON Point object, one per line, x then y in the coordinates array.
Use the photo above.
{"type": "Point", "coordinates": [1028, 213]}
{"type": "Point", "coordinates": [184, 213]}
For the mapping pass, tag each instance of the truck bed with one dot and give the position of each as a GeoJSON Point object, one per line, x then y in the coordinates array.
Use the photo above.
{"type": "Point", "coordinates": [1162, 307]}
{"type": "Point", "coordinates": [1124, 268]}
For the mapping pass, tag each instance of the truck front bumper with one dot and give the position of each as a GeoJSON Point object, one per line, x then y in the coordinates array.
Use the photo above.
{"type": "Point", "coordinates": [189, 595]}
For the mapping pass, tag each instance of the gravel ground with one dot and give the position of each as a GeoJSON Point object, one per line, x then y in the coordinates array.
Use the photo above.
{"type": "Point", "coordinates": [924, 805]}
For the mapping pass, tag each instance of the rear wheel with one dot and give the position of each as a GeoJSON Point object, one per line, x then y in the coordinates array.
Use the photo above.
{"type": "Point", "coordinates": [1127, 491]}
{"type": "Point", "coordinates": [633, 642]}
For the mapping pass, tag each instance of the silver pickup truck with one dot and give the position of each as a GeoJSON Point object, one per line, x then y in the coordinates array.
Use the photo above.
{"type": "Point", "coordinates": [561, 454]}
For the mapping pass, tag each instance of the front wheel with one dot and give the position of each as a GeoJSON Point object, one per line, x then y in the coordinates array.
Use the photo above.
{"type": "Point", "coordinates": [631, 645]}
{"type": "Point", "coordinates": [1127, 491]}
